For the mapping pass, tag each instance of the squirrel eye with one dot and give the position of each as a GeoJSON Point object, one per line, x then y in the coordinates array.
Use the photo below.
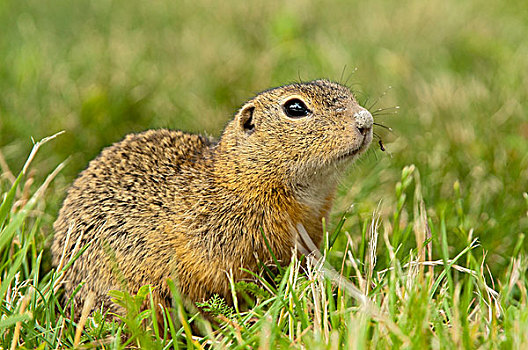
{"type": "Point", "coordinates": [295, 108]}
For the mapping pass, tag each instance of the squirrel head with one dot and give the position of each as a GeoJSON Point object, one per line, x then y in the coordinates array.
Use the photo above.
{"type": "Point", "coordinates": [295, 132]}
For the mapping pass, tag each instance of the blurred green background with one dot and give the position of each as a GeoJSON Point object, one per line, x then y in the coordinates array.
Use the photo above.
{"type": "Point", "coordinates": [458, 71]}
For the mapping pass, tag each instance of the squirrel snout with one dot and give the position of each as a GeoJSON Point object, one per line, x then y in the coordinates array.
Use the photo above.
{"type": "Point", "coordinates": [364, 121]}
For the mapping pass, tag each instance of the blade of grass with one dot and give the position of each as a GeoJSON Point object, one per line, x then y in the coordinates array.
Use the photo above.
{"type": "Point", "coordinates": [275, 260]}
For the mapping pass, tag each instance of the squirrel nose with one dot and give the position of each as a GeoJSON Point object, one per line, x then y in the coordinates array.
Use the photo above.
{"type": "Point", "coordinates": [364, 121]}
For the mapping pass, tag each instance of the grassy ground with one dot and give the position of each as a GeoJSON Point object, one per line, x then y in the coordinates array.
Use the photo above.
{"type": "Point", "coordinates": [456, 169]}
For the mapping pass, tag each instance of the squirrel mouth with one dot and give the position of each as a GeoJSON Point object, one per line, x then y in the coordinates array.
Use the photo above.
{"type": "Point", "coordinates": [357, 150]}
{"type": "Point", "coordinates": [349, 154]}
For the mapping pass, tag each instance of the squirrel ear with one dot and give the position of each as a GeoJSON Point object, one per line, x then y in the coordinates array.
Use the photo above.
{"type": "Point", "coordinates": [245, 118]}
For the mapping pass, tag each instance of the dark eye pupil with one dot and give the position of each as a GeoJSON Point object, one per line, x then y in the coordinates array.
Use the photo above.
{"type": "Point", "coordinates": [295, 108]}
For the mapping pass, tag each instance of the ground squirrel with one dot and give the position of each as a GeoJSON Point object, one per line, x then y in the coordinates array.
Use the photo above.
{"type": "Point", "coordinates": [165, 204]}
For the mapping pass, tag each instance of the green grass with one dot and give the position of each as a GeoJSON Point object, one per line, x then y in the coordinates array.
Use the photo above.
{"type": "Point", "coordinates": [455, 170]}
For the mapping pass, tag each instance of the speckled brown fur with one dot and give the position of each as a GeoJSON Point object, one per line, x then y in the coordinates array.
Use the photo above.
{"type": "Point", "coordinates": [165, 204]}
